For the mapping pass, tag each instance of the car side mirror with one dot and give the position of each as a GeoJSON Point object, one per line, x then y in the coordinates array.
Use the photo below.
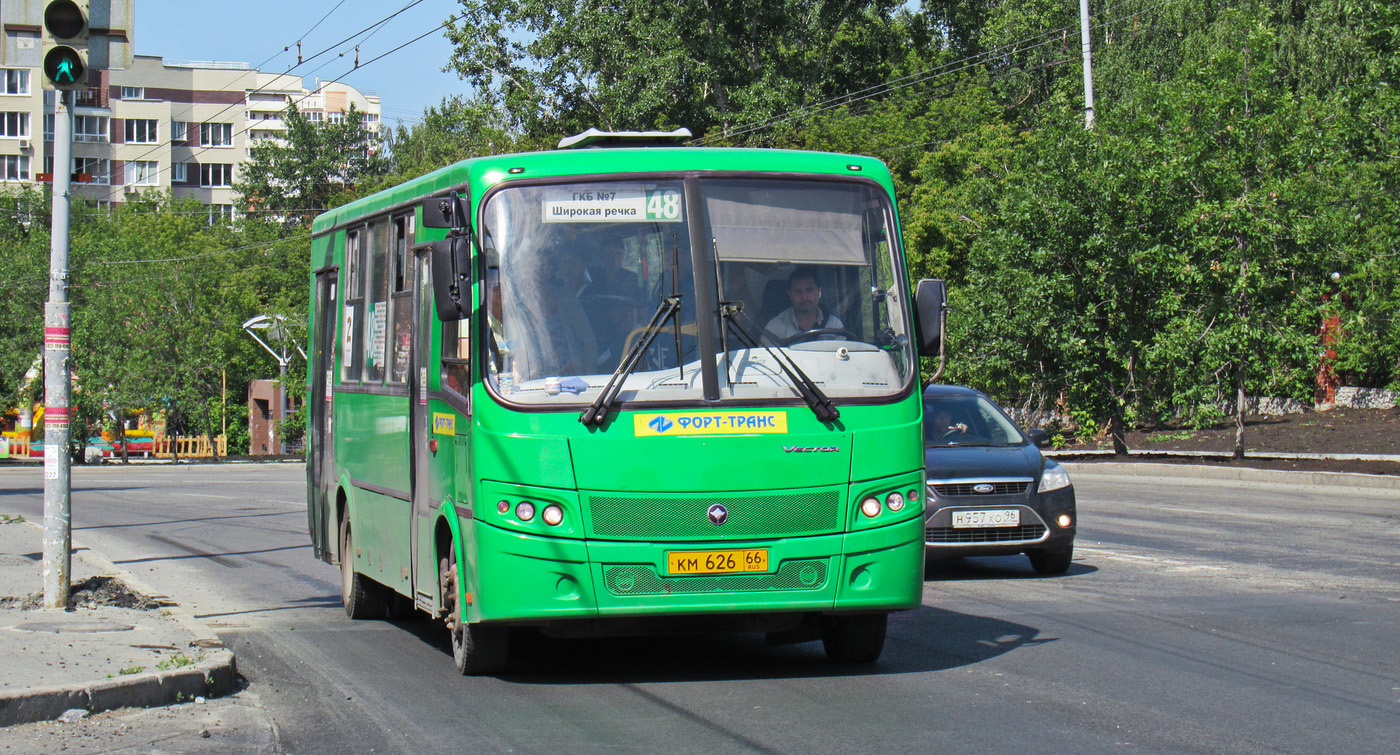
{"type": "Point", "coordinates": [931, 306]}
{"type": "Point", "coordinates": [451, 277]}
{"type": "Point", "coordinates": [446, 211]}
{"type": "Point", "coordinates": [1039, 437]}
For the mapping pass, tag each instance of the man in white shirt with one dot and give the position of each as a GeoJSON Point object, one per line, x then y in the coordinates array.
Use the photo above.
{"type": "Point", "coordinates": [805, 313]}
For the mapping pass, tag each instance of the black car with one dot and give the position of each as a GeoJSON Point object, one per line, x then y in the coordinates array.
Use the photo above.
{"type": "Point", "coordinates": [990, 492]}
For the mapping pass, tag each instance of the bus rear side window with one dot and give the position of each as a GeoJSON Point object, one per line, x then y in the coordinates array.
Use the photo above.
{"type": "Point", "coordinates": [352, 329]}
{"type": "Point", "coordinates": [400, 347]}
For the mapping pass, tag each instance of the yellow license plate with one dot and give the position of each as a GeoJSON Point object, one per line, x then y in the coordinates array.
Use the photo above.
{"type": "Point", "coordinates": [717, 562]}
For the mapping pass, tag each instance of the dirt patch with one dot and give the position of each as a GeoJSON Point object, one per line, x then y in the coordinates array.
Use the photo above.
{"type": "Point", "coordinates": [1338, 431]}
{"type": "Point", "coordinates": [93, 592]}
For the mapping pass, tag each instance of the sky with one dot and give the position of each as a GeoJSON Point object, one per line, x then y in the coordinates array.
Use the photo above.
{"type": "Point", "coordinates": [256, 31]}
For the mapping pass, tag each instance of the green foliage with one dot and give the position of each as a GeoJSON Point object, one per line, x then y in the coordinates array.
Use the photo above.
{"type": "Point", "coordinates": [158, 297]}
{"type": "Point", "coordinates": [316, 166]}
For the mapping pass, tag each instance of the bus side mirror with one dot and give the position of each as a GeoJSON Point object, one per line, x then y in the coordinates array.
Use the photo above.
{"type": "Point", "coordinates": [447, 211]}
{"type": "Point", "coordinates": [451, 283]}
{"type": "Point", "coordinates": [931, 306]}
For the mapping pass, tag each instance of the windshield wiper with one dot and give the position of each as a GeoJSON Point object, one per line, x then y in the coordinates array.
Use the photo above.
{"type": "Point", "coordinates": [598, 410]}
{"type": "Point", "coordinates": [818, 401]}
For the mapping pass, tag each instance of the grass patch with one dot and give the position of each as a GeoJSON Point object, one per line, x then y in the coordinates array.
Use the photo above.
{"type": "Point", "coordinates": [175, 661]}
{"type": "Point", "coordinates": [1165, 437]}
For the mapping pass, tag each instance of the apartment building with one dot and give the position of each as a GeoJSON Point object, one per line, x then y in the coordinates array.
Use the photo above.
{"type": "Point", "coordinates": [179, 127]}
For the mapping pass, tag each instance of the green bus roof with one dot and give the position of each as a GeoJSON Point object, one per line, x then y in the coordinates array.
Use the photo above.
{"type": "Point", "coordinates": [488, 171]}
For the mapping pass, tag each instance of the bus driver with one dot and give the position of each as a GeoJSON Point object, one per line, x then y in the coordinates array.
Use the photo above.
{"type": "Point", "coordinates": [805, 313]}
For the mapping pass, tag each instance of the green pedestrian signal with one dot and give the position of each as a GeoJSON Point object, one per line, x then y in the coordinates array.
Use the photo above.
{"type": "Point", "coordinates": [65, 43]}
{"type": "Point", "coordinates": [64, 68]}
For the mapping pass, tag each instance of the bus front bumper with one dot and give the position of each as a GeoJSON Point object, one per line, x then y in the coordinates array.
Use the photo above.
{"type": "Point", "coordinates": [525, 579]}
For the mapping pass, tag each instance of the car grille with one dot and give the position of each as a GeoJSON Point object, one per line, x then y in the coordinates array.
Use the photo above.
{"type": "Point", "coordinates": [953, 536]}
{"type": "Point", "coordinates": [965, 488]}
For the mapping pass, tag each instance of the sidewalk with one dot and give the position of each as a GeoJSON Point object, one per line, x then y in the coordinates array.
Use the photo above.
{"type": "Point", "coordinates": [100, 655]}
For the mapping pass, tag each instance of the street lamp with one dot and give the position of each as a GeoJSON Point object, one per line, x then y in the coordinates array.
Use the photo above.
{"type": "Point", "coordinates": [275, 328]}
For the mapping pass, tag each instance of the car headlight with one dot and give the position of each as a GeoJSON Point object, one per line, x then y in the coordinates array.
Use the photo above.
{"type": "Point", "coordinates": [1053, 478]}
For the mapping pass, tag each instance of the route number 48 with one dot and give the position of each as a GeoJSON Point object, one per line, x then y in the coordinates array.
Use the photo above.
{"type": "Point", "coordinates": [664, 205]}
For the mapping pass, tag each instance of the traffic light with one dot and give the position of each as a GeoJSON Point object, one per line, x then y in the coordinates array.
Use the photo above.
{"type": "Point", "coordinates": [65, 43]}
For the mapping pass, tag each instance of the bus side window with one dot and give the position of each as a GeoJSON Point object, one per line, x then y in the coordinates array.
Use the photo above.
{"type": "Point", "coordinates": [401, 273]}
{"type": "Point", "coordinates": [456, 357]}
{"type": "Point", "coordinates": [352, 319]}
{"type": "Point", "coordinates": [377, 321]}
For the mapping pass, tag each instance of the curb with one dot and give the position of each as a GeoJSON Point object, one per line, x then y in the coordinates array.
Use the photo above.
{"type": "Point", "coordinates": [1240, 474]}
{"type": "Point", "coordinates": [212, 677]}
{"type": "Point", "coordinates": [215, 676]}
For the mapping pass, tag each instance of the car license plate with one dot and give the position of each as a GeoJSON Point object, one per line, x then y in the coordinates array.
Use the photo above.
{"type": "Point", "coordinates": [717, 562]}
{"type": "Point", "coordinates": [987, 518]}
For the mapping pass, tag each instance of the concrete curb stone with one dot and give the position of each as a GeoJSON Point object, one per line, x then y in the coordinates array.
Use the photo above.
{"type": "Point", "coordinates": [1241, 474]}
{"type": "Point", "coordinates": [213, 675]}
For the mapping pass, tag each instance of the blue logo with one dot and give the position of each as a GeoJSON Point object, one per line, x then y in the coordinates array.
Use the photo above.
{"type": "Point", "coordinates": [661, 424]}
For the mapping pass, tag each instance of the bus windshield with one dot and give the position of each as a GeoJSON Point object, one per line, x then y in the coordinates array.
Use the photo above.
{"type": "Point", "coordinates": [800, 269]}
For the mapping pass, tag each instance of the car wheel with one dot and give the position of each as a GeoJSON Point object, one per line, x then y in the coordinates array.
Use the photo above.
{"type": "Point", "coordinates": [854, 639]}
{"type": "Point", "coordinates": [1051, 562]}
{"type": "Point", "coordinates": [476, 649]}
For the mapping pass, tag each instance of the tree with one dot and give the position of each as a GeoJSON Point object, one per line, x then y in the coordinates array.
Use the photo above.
{"type": "Point", "coordinates": [558, 67]}
{"type": "Point", "coordinates": [315, 167]}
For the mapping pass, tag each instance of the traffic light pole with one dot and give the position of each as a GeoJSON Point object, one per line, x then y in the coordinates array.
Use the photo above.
{"type": "Point", "coordinates": [58, 483]}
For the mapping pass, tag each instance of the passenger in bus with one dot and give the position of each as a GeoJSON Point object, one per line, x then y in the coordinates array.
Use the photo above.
{"type": "Point", "coordinates": [614, 300]}
{"type": "Point", "coordinates": [806, 313]}
{"type": "Point", "coordinates": [543, 317]}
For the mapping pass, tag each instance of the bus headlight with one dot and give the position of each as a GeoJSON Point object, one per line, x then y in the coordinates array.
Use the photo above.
{"type": "Point", "coordinates": [525, 511]}
{"type": "Point", "coordinates": [894, 501]}
{"type": "Point", "coordinates": [552, 515]}
{"type": "Point", "coordinates": [870, 507]}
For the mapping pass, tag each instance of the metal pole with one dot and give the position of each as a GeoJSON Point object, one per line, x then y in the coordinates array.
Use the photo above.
{"type": "Point", "coordinates": [1088, 64]}
{"type": "Point", "coordinates": [58, 487]}
{"type": "Point", "coordinates": [282, 409]}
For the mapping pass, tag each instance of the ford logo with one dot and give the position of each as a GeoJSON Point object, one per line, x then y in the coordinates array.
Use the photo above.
{"type": "Point", "coordinates": [984, 487]}
{"type": "Point", "coordinates": [718, 515]}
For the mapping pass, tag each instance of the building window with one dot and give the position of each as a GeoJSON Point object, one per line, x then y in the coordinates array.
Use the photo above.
{"type": "Point", "coordinates": [99, 168]}
{"type": "Point", "coordinates": [141, 131]}
{"type": "Point", "coordinates": [178, 131]}
{"type": "Point", "coordinates": [14, 125]}
{"type": "Point", "coordinates": [315, 116]}
{"type": "Point", "coordinates": [14, 168]}
{"type": "Point", "coordinates": [219, 213]}
{"type": "Point", "coordinates": [89, 128]}
{"type": "Point", "coordinates": [142, 172]}
{"type": "Point", "coordinates": [216, 174]}
{"type": "Point", "coordinates": [216, 134]}
{"type": "Point", "coordinates": [14, 81]}
{"type": "Point", "coordinates": [133, 93]}
{"type": "Point", "coordinates": [335, 117]}
{"type": "Point", "coordinates": [178, 173]}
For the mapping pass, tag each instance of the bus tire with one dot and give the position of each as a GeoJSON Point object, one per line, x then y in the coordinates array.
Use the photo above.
{"type": "Point", "coordinates": [363, 597]}
{"type": "Point", "coordinates": [477, 649]}
{"type": "Point", "coordinates": [854, 638]}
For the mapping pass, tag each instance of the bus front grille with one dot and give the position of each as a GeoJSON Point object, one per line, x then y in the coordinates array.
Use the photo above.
{"type": "Point", "coordinates": [643, 580]}
{"type": "Point", "coordinates": [687, 517]}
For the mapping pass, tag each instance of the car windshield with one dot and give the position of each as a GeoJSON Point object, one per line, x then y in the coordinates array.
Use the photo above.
{"type": "Point", "coordinates": [965, 420]}
{"type": "Point", "coordinates": [577, 271]}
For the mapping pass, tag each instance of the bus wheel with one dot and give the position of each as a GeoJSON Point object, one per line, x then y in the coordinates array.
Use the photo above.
{"type": "Point", "coordinates": [363, 598]}
{"type": "Point", "coordinates": [854, 639]}
{"type": "Point", "coordinates": [476, 649]}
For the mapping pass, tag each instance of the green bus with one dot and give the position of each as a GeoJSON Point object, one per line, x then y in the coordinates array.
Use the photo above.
{"type": "Point", "coordinates": [626, 386]}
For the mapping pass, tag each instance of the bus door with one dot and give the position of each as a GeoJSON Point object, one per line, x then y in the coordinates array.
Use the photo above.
{"type": "Point", "coordinates": [424, 439]}
{"type": "Point", "coordinates": [321, 443]}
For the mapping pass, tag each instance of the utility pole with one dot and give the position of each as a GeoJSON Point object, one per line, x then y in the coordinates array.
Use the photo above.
{"type": "Point", "coordinates": [58, 465]}
{"type": "Point", "coordinates": [1088, 64]}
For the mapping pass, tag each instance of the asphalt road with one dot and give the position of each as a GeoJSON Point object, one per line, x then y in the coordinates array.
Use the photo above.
{"type": "Point", "coordinates": [1199, 616]}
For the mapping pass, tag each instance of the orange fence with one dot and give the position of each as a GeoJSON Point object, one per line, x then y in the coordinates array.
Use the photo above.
{"type": "Point", "coordinates": [193, 446]}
